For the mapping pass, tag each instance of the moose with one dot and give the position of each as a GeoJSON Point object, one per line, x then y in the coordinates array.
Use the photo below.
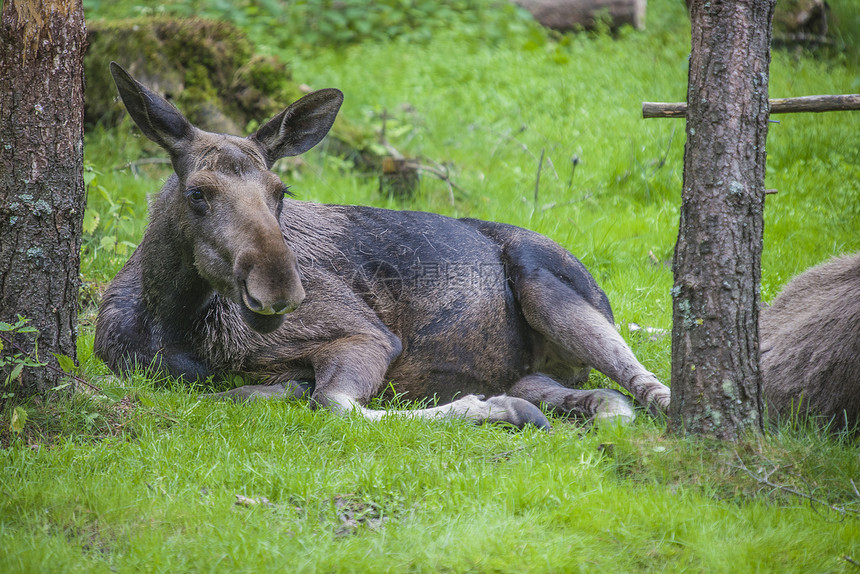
{"type": "Point", "coordinates": [810, 345]}
{"type": "Point", "coordinates": [337, 303]}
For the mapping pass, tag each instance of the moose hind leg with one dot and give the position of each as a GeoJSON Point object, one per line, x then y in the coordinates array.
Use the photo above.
{"type": "Point", "coordinates": [565, 318]}
{"type": "Point", "coordinates": [593, 404]}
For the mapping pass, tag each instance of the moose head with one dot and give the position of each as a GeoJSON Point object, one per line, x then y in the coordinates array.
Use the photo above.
{"type": "Point", "coordinates": [225, 211]}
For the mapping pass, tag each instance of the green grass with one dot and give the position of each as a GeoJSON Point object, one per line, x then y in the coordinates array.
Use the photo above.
{"type": "Point", "coordinates": [145, 478]}
{"type": "Point", "coordinates": [348, 495]}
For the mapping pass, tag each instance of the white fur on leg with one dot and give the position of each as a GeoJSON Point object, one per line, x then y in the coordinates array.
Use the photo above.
{"type": "Point", "coordinates": [510, 410]}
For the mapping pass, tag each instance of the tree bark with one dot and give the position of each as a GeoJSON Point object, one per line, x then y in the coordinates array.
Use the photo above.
{"type": "Point", "coordinates": [42, 193]}
{"type": "Point", "coordinates": [716, 383]}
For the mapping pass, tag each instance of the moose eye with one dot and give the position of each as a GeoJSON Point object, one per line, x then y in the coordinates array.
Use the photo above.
{"type": "Point", "coordinates": [282, 192]}
{"type": "Point", "coordinates": [197, 200]}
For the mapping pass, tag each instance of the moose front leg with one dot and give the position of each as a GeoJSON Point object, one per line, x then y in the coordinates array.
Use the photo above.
{"type": "Point", "coordinates": [501, 409]}
{"type": "Point", "coordinates": [352, 371]}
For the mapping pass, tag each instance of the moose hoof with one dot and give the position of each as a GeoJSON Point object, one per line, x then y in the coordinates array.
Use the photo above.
{"type": "Point", "coordinates": [517, 412]}
{"type": "Point", "coordinates": [614, 407]}
{"type": "Point", "coordinates": [658, 406]}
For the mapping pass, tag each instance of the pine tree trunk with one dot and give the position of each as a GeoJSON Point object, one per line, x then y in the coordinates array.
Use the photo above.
{"type": "Point", "coordinates": [716, 383]}
{"type": "Point", "coordinates": [42, 193]}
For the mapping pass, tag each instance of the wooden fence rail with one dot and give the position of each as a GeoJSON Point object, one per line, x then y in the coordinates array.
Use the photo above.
{"type": "Point", "coordinates": [839, 103]}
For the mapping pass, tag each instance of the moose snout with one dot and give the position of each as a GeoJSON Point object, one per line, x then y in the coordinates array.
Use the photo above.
{"type": "Point", "coordinates": [279, 307]}
{"type": "Point", "coordinates": [270, 289]}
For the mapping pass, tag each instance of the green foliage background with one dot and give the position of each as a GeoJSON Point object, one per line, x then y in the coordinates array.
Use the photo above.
{"type": "Point", "coordinates": [144, 478]}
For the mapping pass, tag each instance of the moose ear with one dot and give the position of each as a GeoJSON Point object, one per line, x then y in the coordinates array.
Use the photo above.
{"type": "Point", "coordinates": [301, 126]}
{"type": "Point", "coordinates": [157, 118]}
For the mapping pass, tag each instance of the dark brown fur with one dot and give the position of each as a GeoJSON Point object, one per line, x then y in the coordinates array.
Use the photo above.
{"type": "Point", "coordinates": [810, 344]}
{"type": "Point", "coordinates": [441, 307]}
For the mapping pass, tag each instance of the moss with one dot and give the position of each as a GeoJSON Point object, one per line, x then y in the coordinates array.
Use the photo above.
{"type": "Point", "coordinates": [687, 314]}
{"type": "Point", "coordinates": [207, 68]}
{"type": "Point", "coordinates": [133, 44]}
{"type": "Point", "coordinates": [728, 387]}
{"type": "Point", "coordinates": [210, 71]}
{"type": "Point", "coordinates": [261, 88]}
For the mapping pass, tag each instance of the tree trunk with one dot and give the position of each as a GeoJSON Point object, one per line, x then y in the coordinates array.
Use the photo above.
{"type": "Point", "coordinates": [42, 193]}
{"type": "Point", "coordinates": [716, 383]}
{"type": "Point", "coordinates": [565, 15]}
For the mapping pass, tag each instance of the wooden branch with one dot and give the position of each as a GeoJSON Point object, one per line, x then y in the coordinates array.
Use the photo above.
{"type": "Point", "coordinates": [764, 479]}
{"type": "Point", "coordinates": [566, 15]}
{"type": "Point", "coordinates": [841, 103]}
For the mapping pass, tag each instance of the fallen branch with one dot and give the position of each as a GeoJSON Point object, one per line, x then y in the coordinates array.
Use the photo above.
{"type": "Point", "coordinates": [567, 15]}
{"type": "Point", "coordinates": [402, 163]}
{"type": "Point", "coordinates": [442, 173]}
{"type": "Point", "coordinates": [839, 103]}
{"type": "Point", "coordinates": [764, 479]}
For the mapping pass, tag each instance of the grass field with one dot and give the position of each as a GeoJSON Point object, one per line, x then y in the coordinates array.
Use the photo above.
{"type": "Point", "coordinates": [146, 478]}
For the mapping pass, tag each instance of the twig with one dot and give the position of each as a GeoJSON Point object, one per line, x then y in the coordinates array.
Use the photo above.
{"type": "Point", "coordinates": [162, 415]}
{"type": "Point", "coordinates": [552, 166]}
{"type": "Point", "coordinates": [574, 161]}
{"type": "Point", "coordinates": [442, 173]}
{"type": "Point", "coordinates": [133, 165]}
{"type": "Point", "coordinates": [562, 204]}
{"type": "Point", "coordinates": [498, 457]}
{"type": "Point", "coordinates": [56, 369]}
{"type": "Point", "coordinates": [850, 560]}
{"type": "Point", "coordinates": [383, 140]}
{"type": "Point", "coordinates": [767, 482]}
{"type": "Point", "coordinates": [510, 138]}
{"type": "Point", "coordinates": [663, 159]}
{"type": "Point", "coordinates": [537, 177]}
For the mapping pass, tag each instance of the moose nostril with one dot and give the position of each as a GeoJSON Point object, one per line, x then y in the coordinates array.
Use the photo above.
{"type": "Point", "coordinates": [281, 307]}
{"type": "Point", "coordinates": [252, 303]}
